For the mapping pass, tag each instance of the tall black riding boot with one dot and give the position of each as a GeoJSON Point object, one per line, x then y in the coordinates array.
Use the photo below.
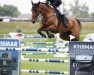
{"type": "Point", "coordinates": [65, 20]}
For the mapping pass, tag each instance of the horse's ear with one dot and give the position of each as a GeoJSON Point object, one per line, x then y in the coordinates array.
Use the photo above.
{"type": "Point", "coordinates": [31, 2]}
{"type": "Point", "coordinates": [38, 3]}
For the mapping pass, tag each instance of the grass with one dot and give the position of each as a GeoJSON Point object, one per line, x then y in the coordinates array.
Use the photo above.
{"type": "Point", "coordinates": [29, 28]}
{"type": "Point", "coordinates": [87, 27]}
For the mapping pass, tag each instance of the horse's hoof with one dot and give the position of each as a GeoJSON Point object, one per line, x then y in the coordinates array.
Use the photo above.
{"type": "Point", "coordinates": [44, 36]}
{"type": "Point", "coordinates": [51, 36]}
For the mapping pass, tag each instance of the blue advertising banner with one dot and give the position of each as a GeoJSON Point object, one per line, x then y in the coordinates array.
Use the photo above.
{"type": "Point", "coordinates": [12, 57]}
{"type": "Point", "coordinates": [10, 43]}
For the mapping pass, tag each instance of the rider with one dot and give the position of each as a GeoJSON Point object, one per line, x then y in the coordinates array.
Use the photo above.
{"type": "Point", "coordinates": [59, 5]}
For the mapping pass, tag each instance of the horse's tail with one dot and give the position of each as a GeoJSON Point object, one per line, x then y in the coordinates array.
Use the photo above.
{"type": "Point", "coordinates": [79, 25]}
{"type": "Point", "coordinates": [78, 22]}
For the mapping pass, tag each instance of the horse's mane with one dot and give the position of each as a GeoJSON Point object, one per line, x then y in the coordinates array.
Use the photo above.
{"type": "Point", "coordinates": [45, 4]}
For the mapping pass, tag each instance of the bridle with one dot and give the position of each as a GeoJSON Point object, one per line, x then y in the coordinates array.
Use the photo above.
{"type": "Point", "coordinates": [39, 11]}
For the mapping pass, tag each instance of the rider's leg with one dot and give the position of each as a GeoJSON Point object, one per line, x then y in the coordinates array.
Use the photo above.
{"type": "Point", "coordinates": [62, 16]}
{"type": "Point", "coordinates": [65, 20]}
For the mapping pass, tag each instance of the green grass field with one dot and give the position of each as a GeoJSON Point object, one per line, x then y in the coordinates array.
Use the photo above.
{"type": "Point", "coordinates": [29, 28]}
{"type": "Point", "coordinates": [43, 65]}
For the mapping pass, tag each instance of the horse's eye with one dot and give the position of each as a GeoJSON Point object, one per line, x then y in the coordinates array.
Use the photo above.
{"type": "Point", "coordinates": [33, 9]}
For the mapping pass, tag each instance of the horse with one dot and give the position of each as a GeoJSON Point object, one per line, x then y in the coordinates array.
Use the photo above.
{"type": "Point", "coordinates": [50, 23]}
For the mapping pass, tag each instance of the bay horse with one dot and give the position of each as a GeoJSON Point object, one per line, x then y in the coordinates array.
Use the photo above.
{"type": "Point", "coordinates": [50, 23]}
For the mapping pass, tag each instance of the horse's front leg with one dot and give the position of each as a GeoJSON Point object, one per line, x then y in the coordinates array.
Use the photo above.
{"type": "Point", "coordinates": [39, 31]}
{"type": "Point", "coordinates": [49, 34]}
{"type": "Point", "coordinates": [52, 29]}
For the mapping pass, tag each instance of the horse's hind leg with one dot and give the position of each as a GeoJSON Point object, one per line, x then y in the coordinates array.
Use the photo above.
{"type": "Point", "coordinates": [75, 39]}
{"type": "Point", "coordinates": [64, 36]}
{"type": "Point", "coordinates": [76, 34]}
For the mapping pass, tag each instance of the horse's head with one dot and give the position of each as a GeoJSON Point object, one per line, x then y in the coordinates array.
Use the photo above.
{"type": "Point", "coordinates": [35, 11]}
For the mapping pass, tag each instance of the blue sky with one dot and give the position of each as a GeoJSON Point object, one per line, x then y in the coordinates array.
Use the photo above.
{"type": "Point", "coordinates": [24, 6]}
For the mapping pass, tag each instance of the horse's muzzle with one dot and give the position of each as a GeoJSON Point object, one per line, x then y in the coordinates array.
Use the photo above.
{"type": "Point", "coordinates": [33, 21]}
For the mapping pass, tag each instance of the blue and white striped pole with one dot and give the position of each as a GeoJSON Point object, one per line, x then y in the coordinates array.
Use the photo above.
{"type": "Point", "coordinates": [45, 50]}
{"type": "Point", "coordinates": [35, 49]}
{"type": "Point", "coordinates": [39, 53]}
{"type": "Point", "coordinates": [40, 47]}
{"type": "Point", "coordinates": [44, 72]}
{"type": "Point", "coordinates": [45, 60]}
{"type": "Point", "coordinates": [39, 42]}
{"type": "Point", "coordinates": [30, 36]}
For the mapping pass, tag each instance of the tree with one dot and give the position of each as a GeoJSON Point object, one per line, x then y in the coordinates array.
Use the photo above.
{"type": "Point", "coordinates": [9, 10]}
{"type": "Point", "coordinates": [75, 8]}
{"type": "Point", "coordinates": [84, 11]}
{"type": "Point", "coordinates": [92, 14]}
{"type": "Point", "coordinates": [64, 9]}
{"type": "Point", "coordinates": [1, 10]}
{"type": "Point", "coordinates": [79, 11]}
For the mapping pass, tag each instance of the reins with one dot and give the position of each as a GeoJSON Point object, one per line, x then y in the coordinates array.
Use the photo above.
{"type": "Point", "coordinates": [47, 18]}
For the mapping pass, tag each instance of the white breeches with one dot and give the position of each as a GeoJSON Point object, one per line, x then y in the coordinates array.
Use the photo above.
{"type": "Point", "coordinates": [60, 8]}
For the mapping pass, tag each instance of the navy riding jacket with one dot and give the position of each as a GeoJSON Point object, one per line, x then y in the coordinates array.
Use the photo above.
{"type": "Point", "coordinates": [54, 3]}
